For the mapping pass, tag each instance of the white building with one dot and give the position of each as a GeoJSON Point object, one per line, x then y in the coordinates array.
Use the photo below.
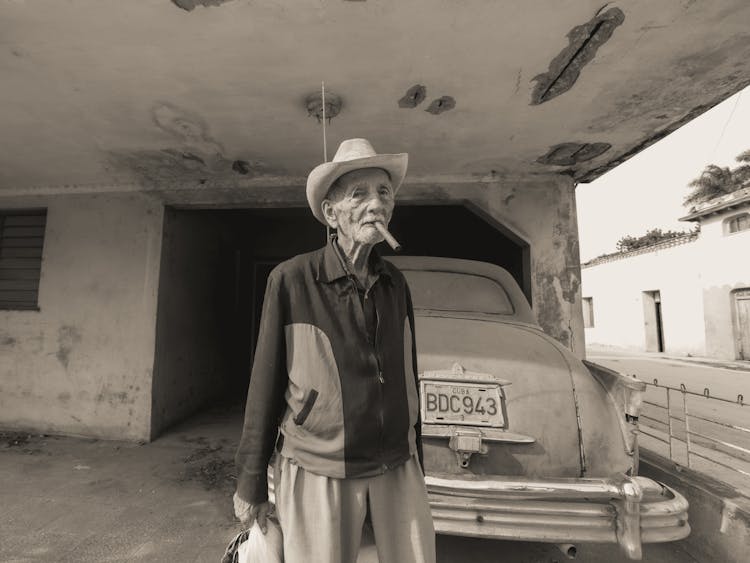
{"type": "Point", "coordinates": [690, 295]}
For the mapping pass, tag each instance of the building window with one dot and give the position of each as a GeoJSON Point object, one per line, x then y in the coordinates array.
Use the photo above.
{"type": "Point", "coordinates": [737, 223]}
{"type": "Point", "coordinates": [588, 312]}
{"type": "Point", "coordinates": [21, 242]}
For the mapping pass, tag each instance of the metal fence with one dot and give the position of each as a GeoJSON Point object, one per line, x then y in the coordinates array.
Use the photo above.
{"type": "Point", "coordinates": [698, 430]}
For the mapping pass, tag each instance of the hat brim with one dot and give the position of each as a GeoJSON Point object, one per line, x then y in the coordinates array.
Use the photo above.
{"type": "Point", "coordinates": [324, 175]}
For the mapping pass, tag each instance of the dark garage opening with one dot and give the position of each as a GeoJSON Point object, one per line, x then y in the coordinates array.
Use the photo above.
{"type": "Point", "coordinates": [214, 267]}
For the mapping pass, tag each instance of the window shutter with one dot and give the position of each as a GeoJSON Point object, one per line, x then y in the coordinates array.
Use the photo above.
{"type": "Point", "coordinates": [738, 223]}
{"type": "Point", "coordinates": [21, 244]}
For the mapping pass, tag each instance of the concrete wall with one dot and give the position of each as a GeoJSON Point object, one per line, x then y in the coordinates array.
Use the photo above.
{"type": "Point", "coordinates": [725, 267]}
{"type": "Point", "coordinates": [82, 363]}
{"type": "Point", "coordinates": [543, 213]}
{"type": "Point", "coordinates": [617, 289]}
{"type": "Point", "coordinates": [189, 365]}
{"type": "Point", "coordinates": [539, 210]}
{"type": "Point", "coordinates": [695, 280]}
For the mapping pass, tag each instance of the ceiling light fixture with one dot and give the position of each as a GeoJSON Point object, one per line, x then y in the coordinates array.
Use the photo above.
{"type": "Point", "coordinates": [314, 105]}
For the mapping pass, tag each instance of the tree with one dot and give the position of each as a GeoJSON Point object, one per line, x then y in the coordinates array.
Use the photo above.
{"type": "Point", "coordinates": [716, 181]}
{"type": "Point", "coordinates": [652, 237]}
{"type": "Point", "coordinates": [742, 172]}
{"type": "Point", "coordinates": [713, 182]}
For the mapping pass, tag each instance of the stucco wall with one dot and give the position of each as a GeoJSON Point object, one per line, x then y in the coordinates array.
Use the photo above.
{"type": "Point", "coordinates": [695, 280]}
{"type": "Point", "coordinates": [82, 363]}
{"type": "Point", "coordinates": [617, 291]}
{"type": "Point", "coordinates": [725, 267]}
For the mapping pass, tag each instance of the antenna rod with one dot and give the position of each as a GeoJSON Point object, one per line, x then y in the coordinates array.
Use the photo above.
{"type": "Point", "coordinates": [325, 144]}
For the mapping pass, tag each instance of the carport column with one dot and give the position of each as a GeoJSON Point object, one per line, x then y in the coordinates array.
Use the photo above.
{"type": "Point", "coordinates": [556, 268]}
{"type": "Point", "coordinates": [539, 210]}
{"type": "Point", "coordinates": [542, 210]}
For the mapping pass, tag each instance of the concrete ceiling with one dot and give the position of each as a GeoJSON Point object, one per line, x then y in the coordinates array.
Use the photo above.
{"type": "Point", "coordinates": [106, 92]}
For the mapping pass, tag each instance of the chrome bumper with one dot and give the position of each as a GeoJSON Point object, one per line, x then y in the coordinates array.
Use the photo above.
{"type": "Point", "coordinates": [629, 511]}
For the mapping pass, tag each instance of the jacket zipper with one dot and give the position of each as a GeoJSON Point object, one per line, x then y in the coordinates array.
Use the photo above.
{"type": "Point", "coordinates": [381, 379]}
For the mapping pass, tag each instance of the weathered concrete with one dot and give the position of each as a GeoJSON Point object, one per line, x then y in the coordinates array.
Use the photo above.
{"type": "Point", "coordinates": [584, 42]}
{"type": "Point", "coordinates": [82, 363]}
{"type": "Point", "coordinates": [244, 70]}
{"type": "Point", "coordinates": [719, 515]}
{"type": "Point", "coordinates": [413, 97]}
{"type": "Point", "coordinates": [441, 104]}
{"type": "Point", "coordinates": [81, 501]}
{"type": "Point", "coordinates": [568, 154]}
{"type": "Point", "coordinates": [190, 5]}
{"type": "Point", "coordinates": [538, 210]}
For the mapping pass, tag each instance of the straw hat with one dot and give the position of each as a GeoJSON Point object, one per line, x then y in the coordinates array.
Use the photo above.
{"type": "Point", "coordinates": [352, 154]}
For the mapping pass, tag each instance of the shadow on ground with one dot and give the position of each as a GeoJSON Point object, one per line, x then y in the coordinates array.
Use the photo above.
{"type": "Point", "coordinates": [84, 500]}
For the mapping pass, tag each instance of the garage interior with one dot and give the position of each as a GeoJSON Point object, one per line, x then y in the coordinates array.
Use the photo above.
{"type": "Point", "coordinates": [214, 267]}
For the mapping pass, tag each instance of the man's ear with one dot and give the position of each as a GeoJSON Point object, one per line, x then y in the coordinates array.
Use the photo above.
{"type": "Point", "coordinates": [329, 213]}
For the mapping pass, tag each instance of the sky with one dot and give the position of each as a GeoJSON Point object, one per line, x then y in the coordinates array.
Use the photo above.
{"type": "Point", "coordinates": [647, 191]}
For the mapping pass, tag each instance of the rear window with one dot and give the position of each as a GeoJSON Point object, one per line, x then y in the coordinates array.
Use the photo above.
{"type": "Point", "coordinates": [451, 291]}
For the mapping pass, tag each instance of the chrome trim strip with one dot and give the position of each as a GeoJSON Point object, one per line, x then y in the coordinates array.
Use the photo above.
{"type": "Point", "coordinates": [488, 434]}
{"type": "Point", "coordinates": [625, 510]}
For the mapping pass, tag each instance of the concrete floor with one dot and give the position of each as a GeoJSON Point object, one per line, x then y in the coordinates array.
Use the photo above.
{"type": "Point", "coordinates": [82, 500]}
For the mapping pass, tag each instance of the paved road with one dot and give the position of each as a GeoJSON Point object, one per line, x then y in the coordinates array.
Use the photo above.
{"type": "Point", "coordinates": [696, 375]}
{"type": "Point", "coordinates": [715, 446]}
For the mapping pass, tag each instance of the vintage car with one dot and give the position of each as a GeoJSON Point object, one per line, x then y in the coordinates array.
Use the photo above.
{"type": "Point", "coordinates": [522, 440]}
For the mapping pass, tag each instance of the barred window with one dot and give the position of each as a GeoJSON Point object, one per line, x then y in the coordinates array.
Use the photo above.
{"type": "Point", "coordinates": [21, 243]}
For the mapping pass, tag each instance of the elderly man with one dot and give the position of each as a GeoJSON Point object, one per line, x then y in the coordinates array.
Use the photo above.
{"type": "Point", "coordinates": [335, 378]}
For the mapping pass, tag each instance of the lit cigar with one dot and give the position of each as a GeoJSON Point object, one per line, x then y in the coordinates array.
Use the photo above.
{"type": "Point", "coordinates": [392, 242]}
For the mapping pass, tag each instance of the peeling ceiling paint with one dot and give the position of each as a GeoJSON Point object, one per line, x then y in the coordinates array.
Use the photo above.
{"type": "Point", "coordinates": [107, 92]}
{"type": "Point", "coordinates": [568, 154]}
{"type": "Point", "coordinates": [584, 42]}
{"type": "Point", "coordinates": [190, 5]}
{"type": "Point", "coordinates": [413, 97]}
{"type": "Point", "coordinates": [440, 105]}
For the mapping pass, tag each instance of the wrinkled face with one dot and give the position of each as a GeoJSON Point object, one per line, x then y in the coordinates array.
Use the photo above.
{"type": "Point", "coordinates": [357, 200]}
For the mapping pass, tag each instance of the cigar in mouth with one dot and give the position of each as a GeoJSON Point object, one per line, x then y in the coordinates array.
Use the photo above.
{"type": "Point", "coordinates": [389, 238]}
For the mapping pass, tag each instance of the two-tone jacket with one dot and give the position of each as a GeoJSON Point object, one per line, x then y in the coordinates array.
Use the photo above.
{"type": "Point", "coordinates": [342, 399]}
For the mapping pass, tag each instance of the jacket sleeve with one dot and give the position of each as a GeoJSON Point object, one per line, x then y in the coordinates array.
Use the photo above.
{"type": "Point", "coordinates": [265, 399]}
{"type": "Point", "coordinates": [418, 425]}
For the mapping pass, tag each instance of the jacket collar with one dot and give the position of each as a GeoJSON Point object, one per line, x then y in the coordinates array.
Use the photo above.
{"type": "Point", "coordinates": [331, 266]}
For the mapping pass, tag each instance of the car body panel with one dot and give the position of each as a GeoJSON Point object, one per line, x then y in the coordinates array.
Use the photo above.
{"type": "Point", "coordinates": [563, 467]}
{"type": "Point", "coordinates": [535, 372]}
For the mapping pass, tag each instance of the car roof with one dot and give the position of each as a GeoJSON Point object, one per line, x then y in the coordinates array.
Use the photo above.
{"type": "Point", "coordinates": [521, 310]}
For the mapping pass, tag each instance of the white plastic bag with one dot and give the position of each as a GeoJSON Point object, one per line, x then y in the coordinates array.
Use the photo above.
{"type": "Point", "coordinates": [260, 547]}
{"type": "Point", "coordinates": [252, 546]}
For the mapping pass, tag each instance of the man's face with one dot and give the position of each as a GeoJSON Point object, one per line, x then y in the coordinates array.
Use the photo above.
{"type": "Point", "coordinates": [360, 198]}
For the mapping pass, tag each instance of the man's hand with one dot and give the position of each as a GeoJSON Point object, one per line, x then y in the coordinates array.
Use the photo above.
{"type": "Point", "coordinates": [248, 513]}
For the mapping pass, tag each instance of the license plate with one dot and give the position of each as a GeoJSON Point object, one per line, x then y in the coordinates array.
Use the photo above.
{"type": "Point", "coordinates": [462, 403]}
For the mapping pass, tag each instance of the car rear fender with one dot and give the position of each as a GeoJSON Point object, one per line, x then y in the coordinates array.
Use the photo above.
{"type": "Point", "coordinates": [626, 394]}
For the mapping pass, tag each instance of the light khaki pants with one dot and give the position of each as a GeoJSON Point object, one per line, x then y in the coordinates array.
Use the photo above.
{"type": "Point", "coordinates": [322, 517]}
